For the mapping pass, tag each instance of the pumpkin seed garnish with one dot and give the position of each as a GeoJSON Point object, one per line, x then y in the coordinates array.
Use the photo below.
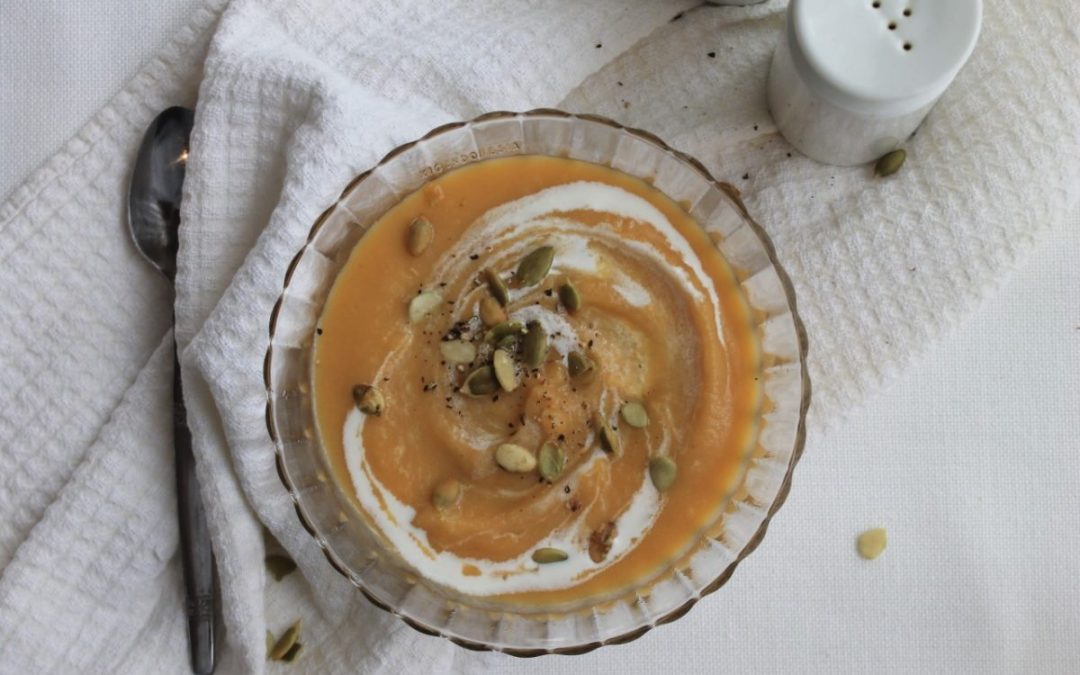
{"type": "Point", "coordinates": [535, 266]}
{"type": "Point", "coordinates": [269, 642]}
{"type": "Point", "coordinates": [609, 441]}
{"type": "Point", "coordinates": [497, 286]}
{"type": "Point", "coordinates": [491, 312]}
{"type": "Point", "coordinates": [480, 382]}
{"type": "Point", "coordinates": [569, 296]}
{"type": "Point", "coordinates": [662, 471]}
{"type": "Point", "coordinates": [457, 351]}
{"type": "Point", "coordinates": [279, 566]}
{"type": "Point", "coordinates": [579, 365]}
{"type": "Point", "coordinates": [548, 555]}
{"type": "Point", "coordinates": [507, 343]}
{"type": "Point", "coordinates": [514, 458]}
{"type": "Point", "coordinates": [369, 400]}
{"type": "Point", "coordinates": [535, 347]}
{"type": "Point", "coordinates": [421, 234]}
{"type": "Point", "coordinates": [890, 163]}
{"type": "Point", "coordinates": [293, 653]}
{"type": "Point", "coordinates": [504, 370]}
{"type": "Point", "coordinates": [552, 460]}
{"type": "Point", "coordinates": [286, 641]}
{"type": "Point", "coordinates": [503, 329]}
{"type": "Point", "coordinates": [634, 414]}
{"type": "Point", "coordinates": [872, 543]}
{"type": "Point", "coordinates": [446, 494]}
{"type": "Point", "coordinates": [423, 304]}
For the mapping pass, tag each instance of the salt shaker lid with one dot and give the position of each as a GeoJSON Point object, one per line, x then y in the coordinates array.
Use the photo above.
{"type": "Point", "coordinates": [883, 56]}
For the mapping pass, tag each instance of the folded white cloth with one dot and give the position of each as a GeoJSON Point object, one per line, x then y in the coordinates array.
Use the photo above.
{"type": "Point", "coordinates": [295, 100]}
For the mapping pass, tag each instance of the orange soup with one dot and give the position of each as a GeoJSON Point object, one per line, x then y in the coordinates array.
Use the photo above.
{"type": "Point", "coordinates": [537, 380]}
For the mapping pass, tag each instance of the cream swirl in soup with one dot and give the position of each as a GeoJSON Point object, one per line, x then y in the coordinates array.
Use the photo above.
{"type": "Point", "coordinates": [537, 380]}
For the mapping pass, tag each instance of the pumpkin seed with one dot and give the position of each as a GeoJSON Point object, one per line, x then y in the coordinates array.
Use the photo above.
{"type": "Point", "coordinates": [269, 642]}
{"type": "Point", "coordinates": [890, 163]}
{"type": "Point", "coordinates": [293, 653]}
{"type": "Point", "coordinates": [421, 234]}
{"type": "Point", "coordinates": [497, 286]}
{"type": "Point", "coordinates": [634, 414]}
{"type": "Point", "coordinates": [552, 461]}
{"type": "Point", "coordinates": [872, 543]}
{"type": "Point", "coordinates": [457, 351]}
{"type": "Point", "coordinates": [446, 494]}
{"type": "Point", "coordinates": [508, 343]}
{"type": "Point", "coordinates": [548, 555]}
{"type": "Point", "coordinates": [279, 566]}
{"type": "Point", "coordinates": [369, 400]}
{"type": "Point", "coordinates": [423, 304]}
{"type": "Point", "coordinates": [535, 266]}
{"type": "Point", "coordinates": [569, 296]}
{"type": "Point", "coordinates": [286, 641]}
{"type": "Point", "coordinates": [662, 471]}
{"type": "Point", "coordinates": [579, 365]}
{"type": "Point", "coordinates": [609, 441]}
{"type": "Point", "coordinates": [499, 331]}
{"type": "Point", "coordinates": [480, 382]}
{"type": "Point", "coordinates": [535, 347]}
{"type": "Point", "coordinates": [491, 312]}
{"type": "Point", "coordinates": [514, 458]}
{"type": "Point", "coordinates": [504, 370]}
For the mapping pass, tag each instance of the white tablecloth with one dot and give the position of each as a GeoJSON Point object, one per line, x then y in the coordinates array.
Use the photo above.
{"type": "Point", "coordinates": [983, 565]}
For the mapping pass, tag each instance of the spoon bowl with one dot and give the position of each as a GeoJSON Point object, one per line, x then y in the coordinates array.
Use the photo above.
{"type": "Point", "coordinates": [156, 188]}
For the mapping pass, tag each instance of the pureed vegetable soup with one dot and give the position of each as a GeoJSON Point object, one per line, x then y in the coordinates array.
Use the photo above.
{"type": "Point", "coordinates": [537, 379]}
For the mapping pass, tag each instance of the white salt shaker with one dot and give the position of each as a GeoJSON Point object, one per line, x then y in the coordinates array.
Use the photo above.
{"type": "Point", "coordinates": [852, 79]}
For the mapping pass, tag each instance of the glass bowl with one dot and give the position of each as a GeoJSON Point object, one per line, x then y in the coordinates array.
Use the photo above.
{"type": "Point", "coordinates": [341, 532]}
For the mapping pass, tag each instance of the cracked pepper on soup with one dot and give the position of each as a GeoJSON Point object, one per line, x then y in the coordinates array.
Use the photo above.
{"type": "Point", "coordinates": [537, 380]}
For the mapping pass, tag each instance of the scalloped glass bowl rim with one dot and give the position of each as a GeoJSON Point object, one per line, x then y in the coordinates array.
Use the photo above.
{"type": "Point", "coordinates": [757, 239]}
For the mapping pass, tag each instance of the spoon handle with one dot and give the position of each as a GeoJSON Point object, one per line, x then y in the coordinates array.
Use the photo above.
{"type": "Point", "coordinates": [195, 550]}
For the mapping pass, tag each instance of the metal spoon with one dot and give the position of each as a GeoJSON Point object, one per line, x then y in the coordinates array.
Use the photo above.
{"type": "Point", "coordinates": [154, 219]}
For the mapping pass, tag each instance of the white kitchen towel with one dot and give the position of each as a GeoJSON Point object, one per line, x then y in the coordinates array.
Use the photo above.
{"type": "Point", "coordinates": [297, 98]}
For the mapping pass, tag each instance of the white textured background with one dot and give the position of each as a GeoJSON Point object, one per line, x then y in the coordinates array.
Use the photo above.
{"type": "Point", "coordinates": [971, 458]}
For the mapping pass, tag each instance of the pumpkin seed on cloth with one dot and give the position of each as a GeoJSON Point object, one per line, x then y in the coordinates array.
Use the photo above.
{"type": "Point", "coordinates": [279, 566]}
{"type": "Point", "coordinates": [872, 543]}
{"type": "Point", "coordinates": [286, 641]}
{"type": "Point", "coordinates": [889, 163]}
